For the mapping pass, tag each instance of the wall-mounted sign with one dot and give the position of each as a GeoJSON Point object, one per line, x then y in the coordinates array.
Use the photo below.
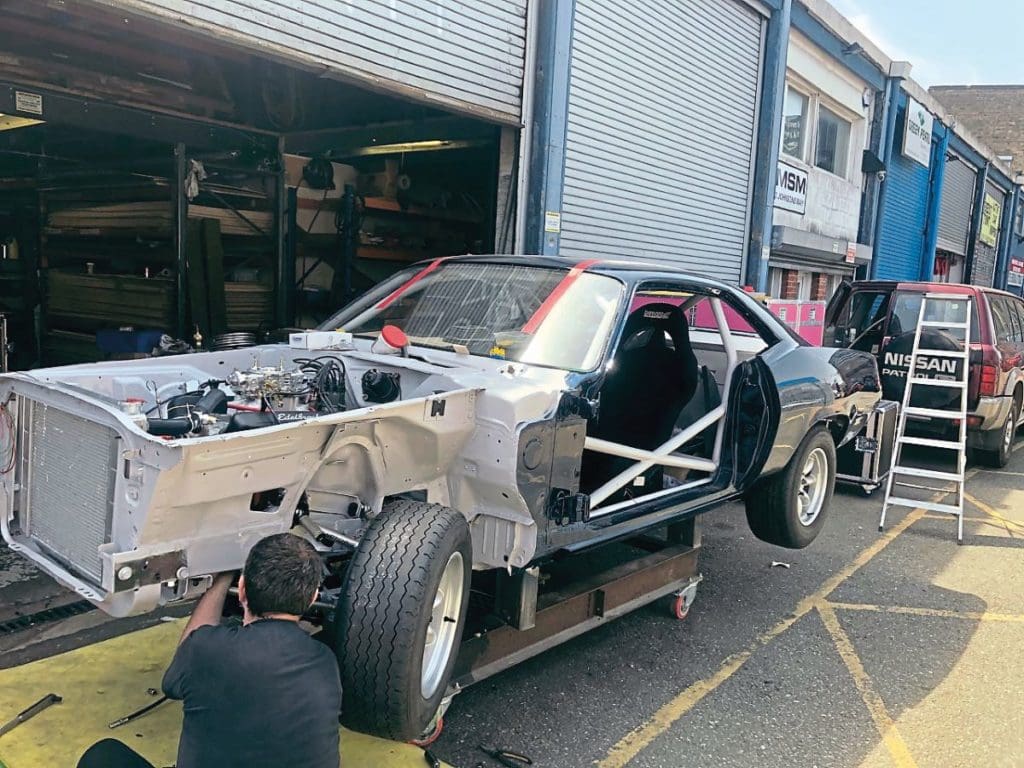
{"type": "Point", "coordinates": [917, 133]}
{"type": "Point", "coordinates": [791, 188]}
{"type": "Point", "coordinates": [990, 214]}
{"type": "Point", "coordinates": [28, 102]}
{"type": "Point", "coordinates": [1016, 274]}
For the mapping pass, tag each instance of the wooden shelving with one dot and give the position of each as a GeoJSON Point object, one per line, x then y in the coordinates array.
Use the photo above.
{"type": "Point", "coordinates": [387, 205]}
{"type": "Point", "coordinates": [393, 254]}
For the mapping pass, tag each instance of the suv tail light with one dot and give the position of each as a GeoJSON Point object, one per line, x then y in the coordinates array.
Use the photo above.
{"type": "Point", "coordinates": [984, 378]}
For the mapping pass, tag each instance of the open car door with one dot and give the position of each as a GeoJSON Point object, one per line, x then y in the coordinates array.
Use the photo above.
{"type": "Point", "coordinates": [684, 402]}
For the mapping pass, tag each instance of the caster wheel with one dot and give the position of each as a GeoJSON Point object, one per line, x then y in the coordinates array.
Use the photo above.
{"type": "Point", "coordinates": [429, 738]}
{"type": "Point", "coordinates": [679, 607]}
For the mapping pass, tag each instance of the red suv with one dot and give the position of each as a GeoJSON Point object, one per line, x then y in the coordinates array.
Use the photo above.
{"type": "Point", "coordinates": [880, 317]}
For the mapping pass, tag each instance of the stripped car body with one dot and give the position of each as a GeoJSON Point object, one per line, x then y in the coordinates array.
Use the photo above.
{"type": "Point", "coordinates": [503, 408]}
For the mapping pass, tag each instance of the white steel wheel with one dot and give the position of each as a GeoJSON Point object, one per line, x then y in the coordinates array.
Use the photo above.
{"type": "Point", "coordinates": [444, 622]}
{"type": "Point", "coordinates": [814, 482]}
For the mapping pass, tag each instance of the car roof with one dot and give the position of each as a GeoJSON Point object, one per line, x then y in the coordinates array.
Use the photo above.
{"type": "Point", "coordinates": [628, 270]}
{"type": "Point", "coordinates": [923, 287]}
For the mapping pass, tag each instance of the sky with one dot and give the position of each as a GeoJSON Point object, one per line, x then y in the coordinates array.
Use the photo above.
{"type": "Point", "coordinates": [949, 42]}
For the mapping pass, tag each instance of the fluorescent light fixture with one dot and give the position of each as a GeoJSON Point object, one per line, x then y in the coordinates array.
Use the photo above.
{"type": "Point", "coordinates": [432, 145]}
{"type": "Point", "coordinates": [10, 122]}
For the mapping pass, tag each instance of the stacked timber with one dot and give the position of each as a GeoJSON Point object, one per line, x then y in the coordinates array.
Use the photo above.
{"type": "Point", "coordinates": [89, 302]}
{"type": "Point", "coordinates": [250, 306]}
{"type": "Point", "coordinates": [152, 217]}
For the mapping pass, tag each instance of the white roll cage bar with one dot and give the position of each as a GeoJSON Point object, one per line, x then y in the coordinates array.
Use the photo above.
{"type": "Point", "coordinates": [665, 454]}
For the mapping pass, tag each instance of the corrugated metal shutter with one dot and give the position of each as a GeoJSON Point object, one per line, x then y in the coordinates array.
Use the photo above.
{"type": "Point", "coordinates": [984, 269]}
{"type": "Point", "coordinates": [955, 206]}
{"type": "Point", "coordinates": [901, 238]}
{"type": "Point", "coordinates": [662, 108]}
{"type": "Point", "coordinates": [467, 56]}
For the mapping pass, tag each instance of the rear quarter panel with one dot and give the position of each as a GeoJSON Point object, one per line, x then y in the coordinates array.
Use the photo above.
{"type": "Point", "coordinates": [816, 385]}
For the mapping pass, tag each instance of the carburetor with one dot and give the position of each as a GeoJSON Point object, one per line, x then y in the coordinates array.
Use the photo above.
{"type": "Point", "coordinates": [283, 388]}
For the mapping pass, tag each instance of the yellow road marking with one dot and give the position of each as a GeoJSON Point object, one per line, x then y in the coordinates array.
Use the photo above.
{"type": "Point", "coordinates": [640, 737]}
{"type": "Point", "coordinates": [898, 751]}
{"type": "Point", "coordinates": [967, 518]}
{"type": "Point", "coordinates": [1004, 471]}
{"type": "Point", "coordinates": [1012, 618]}
{"type": "Point", "coordinates": [991, 512]}
{"type": "Point", "coordinates": [644, 734]}
{"type": "Point", "coordinates": [979, 520]}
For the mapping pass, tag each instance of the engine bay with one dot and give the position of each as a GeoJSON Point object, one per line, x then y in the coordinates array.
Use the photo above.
{"type": "Point", "coordinates": [220, 393]}
{"type": "Point", "coordinates": [259, 396]}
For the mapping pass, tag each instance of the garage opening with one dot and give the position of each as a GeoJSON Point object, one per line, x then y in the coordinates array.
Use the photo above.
{"type": "Point", "coordinates": [161, 191]}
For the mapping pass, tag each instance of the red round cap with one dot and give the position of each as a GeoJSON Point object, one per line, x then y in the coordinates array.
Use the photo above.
{"type": "Point", "coordinates": [394, 336]}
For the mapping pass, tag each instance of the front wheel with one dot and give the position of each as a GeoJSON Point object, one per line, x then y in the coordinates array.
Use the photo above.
{"type": "Point", "coordinates": [789, 508]}
{"type": "Point", "coordinates": [400, 617]}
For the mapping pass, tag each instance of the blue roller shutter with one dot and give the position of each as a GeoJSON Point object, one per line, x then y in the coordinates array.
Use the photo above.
{"type": "Point", "coordinates": [901, 239]}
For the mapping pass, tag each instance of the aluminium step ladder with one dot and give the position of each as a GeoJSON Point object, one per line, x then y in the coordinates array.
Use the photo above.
{"type": "Point", "coordinates": [960, 304]}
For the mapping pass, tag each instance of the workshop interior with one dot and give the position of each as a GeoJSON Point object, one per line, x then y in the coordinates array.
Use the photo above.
{"type": "Point", "coordinates": [200, 197]}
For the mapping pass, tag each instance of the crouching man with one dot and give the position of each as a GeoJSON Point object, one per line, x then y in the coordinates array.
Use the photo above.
{"type": "Point", "coordinates": [264, 694]}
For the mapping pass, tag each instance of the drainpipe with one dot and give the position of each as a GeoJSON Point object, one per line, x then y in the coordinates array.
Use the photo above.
{"type": "Point", "coordinates": [526, 133]}
{"type": "Point", "coordinates": [892, 97]}
{"type": "Point", "coordinates": [546, 169]}
{"type": "Point", "coordinates": [869, 198]}
{"type": "Point", "coordinates": [766, 156]}
{"type": "Point", "coordinates": [931, 233]}
{"type": "Point", "coordinates": [976, 214]}
{"type": "Point", "coordinates": [1006, 235]}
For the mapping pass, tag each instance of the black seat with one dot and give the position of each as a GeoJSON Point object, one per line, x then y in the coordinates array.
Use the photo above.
{"type": "Point", "coordinates": [645, 391]}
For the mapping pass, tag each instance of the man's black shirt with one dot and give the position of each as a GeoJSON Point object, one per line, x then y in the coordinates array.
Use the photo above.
{"type": "Point", "coordinates": [265, 694]}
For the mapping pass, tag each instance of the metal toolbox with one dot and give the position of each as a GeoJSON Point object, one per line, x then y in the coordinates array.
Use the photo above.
{"type": "Point", "coordinates": [866, 460]}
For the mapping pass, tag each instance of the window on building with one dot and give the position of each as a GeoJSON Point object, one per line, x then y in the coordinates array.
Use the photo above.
{"type": "Point", "coordinates": [833, 145]}
{"type": "Point", "coordinates": [794, 123]}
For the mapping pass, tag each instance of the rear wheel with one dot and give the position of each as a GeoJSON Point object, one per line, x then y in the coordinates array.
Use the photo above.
{"type": "Point", "coordinates": [400, 617]}
{"type": "Point", "coordinates": [1002, 440]}
{"type": "Point", "coordinates": [789, 508]}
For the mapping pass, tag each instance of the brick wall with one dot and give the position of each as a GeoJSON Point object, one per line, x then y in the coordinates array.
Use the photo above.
{"type": "Point", "coordinates": [790, 284]}
{"type": "Point", "coordinates": [993, 113]}
{"type": "Point", "coordinates": [819, 286]}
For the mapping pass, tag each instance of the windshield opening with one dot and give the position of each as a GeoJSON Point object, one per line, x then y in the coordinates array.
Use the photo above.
{"type": "Point", "coordinates": [555, 318]}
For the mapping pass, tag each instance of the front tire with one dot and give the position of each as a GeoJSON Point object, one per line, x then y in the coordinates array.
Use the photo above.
{"type": "Point", "coordinates": [789, 508]}
{"type": "Point", "coordinates": [400, 617]}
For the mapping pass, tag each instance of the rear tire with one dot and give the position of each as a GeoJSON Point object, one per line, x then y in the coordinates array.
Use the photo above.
{"type": "Point", "coordinates": [400, 617]}
{"type": "Point", "coordinates": [789, 508]}
{"type": "Point", "coordinates": [1002, 438]}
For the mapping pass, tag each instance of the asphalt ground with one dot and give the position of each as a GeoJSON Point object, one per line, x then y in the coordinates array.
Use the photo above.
{"type": "Point", "coordinates": [895, 649]}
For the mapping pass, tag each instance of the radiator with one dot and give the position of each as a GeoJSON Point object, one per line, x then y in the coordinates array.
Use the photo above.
{"type": "Point", "coordinates": [70, 475]}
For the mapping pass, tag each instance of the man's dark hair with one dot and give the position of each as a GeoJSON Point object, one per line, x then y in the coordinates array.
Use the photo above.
{"type": "Point", "coordinates": [282, 575]}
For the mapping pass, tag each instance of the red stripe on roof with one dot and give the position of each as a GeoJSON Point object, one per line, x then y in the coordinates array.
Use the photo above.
{"type": "Point", "coordinates": [553, 298]}
{"type": "Point", "coordinates": [393, 296]}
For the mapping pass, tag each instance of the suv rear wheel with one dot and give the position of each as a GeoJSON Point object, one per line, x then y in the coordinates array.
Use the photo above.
{"type": "Point", "coordinates": [789, 508]}
{"type": "Point", "coordinates": [1001, 440]}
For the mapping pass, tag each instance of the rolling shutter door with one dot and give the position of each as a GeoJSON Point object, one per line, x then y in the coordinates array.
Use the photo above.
{"type": "Point", "coordinates": [466, 56]}
{"type": "Point", "coordinates": [901, 238]}
{"type": "Point", "coordinates": [955, 206]}
{"type": "Point", "coordinates": [662, 112]}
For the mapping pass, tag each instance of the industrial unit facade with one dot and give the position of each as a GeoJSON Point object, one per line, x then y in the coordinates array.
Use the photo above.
{"type": "Point", "coordinates": [228, 167]}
